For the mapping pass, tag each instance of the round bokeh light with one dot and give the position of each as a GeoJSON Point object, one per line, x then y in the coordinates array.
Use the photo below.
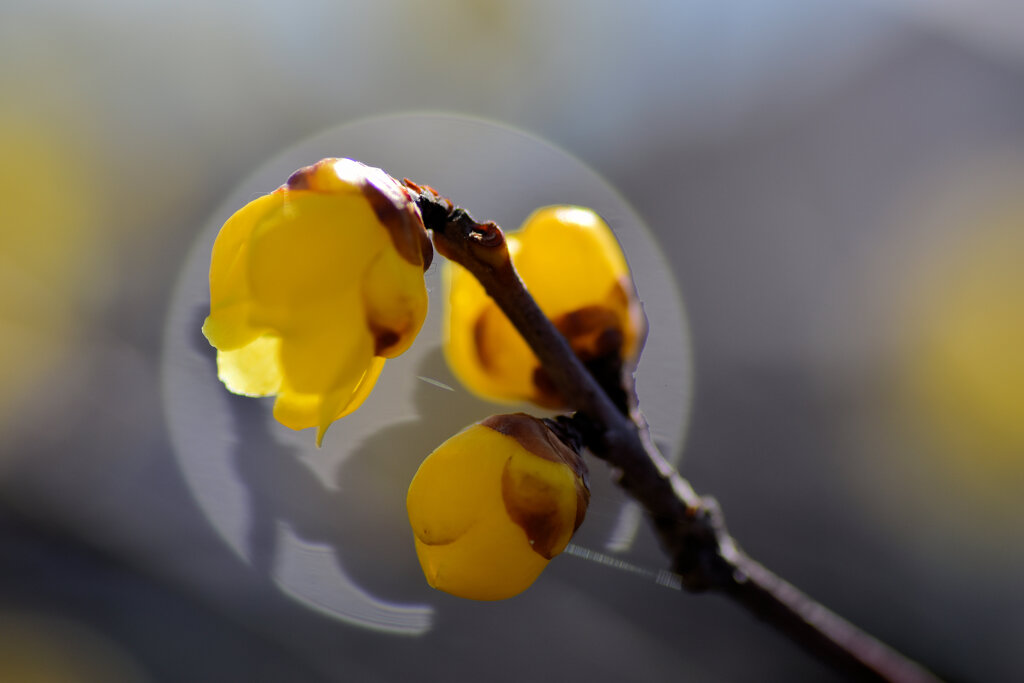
{"type": "Point", "coordinates": [329, 526]}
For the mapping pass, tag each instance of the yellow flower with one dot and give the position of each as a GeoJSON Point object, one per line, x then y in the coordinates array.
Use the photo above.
{"type": "Point", "coordinates": [313, 285]}
{"type": "Point", "coordinates": [493, 504]}
{"type": "Point", "coordinates": [573, 267]}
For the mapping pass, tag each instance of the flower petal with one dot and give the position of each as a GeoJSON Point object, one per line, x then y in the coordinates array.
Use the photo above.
{"type": "Point", "coordinates": [457, 485]}
{"type": "Point", "coordinates": [567, 255]}
{"type": "Point", "coordinates": [227, 326]}
{"type": "Point", "coordinates": [338, 404]}
{"type": "Point", "coordinates": [489, 511]}
{"type": "Point", "coordinates": [570, 262]}
{"type": "Point", "coordinates": [297, 411]}
{"type": "Point", "coordinates": [314, 248]}
{"type": "Point", "coordinates": [330, 351]}
{"type": "Point", "coordinates": [252, 370]}
{"type": "Point", "coordinates": [483, 348]}
{"type": "Point", "coordinates": [487, 564]}
{"type": "Point", "coordinates": [540, 497]}
{"type": "Point", "coordinates": [395, 301]}
{"type": "Point", "coordinates": [312, 284]}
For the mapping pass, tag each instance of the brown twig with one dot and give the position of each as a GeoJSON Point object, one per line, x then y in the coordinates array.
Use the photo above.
{"type": "Point", "coordinates": [690, 527]}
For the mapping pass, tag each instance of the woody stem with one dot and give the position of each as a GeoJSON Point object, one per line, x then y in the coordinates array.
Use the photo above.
{"type": "Point", "coordinates": [690, 527]}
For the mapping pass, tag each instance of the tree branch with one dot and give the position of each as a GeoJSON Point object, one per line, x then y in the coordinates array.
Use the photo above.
{"type": "Point", "coordinates": [690, 527]}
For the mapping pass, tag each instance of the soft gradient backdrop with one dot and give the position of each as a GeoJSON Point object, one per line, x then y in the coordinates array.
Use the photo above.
{"type": "Point", "coordinates": [837, 187]}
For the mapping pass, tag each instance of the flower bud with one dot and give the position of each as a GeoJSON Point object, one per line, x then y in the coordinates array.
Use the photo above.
{"type": "Point", "coordinates": [313, 285]}
{"type": "Point", "coordinates": [570, 262]}
{"type": "Point", "coordinates": [493, 504]}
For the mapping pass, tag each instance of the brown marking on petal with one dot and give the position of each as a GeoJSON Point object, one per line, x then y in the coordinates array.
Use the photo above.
{"type": "Point", "coordinates": [305, 177]}
{"type": "Point", "coordinates": [531, 504]}
{"type": "Point", "coordinates": [582, 501]}
{"type": "Point", "coordinates": [529, 500]}
{"type": "Point", "coordinates": [395, 207]}
{"type": "Point", "coordinates": [480, 343]}
{"type": "Point", "coordinates": [383, 339]}
{"type": "Point", "coordinates": [402, 220]}
{"type": "Point", "coordinates": [619, 295]}
{"type": "Point", "coordinates": [592, 331]}
{"type": "Point", "coordinates": [624, 298]}
{"type": "Point", "coordinates": [300, 179]}
{"type": "Point", "coordinates": [533, 435]}
{"type": "Point", "coordinates": [586, 320]}
{"type": "Point", "coordinates": [487, 348]}
{"type": "Point", "coordinates": [609, 342]}
{"type": "Point", "coordinates": [426, 248]}
{"type": "Point", "coordinates": [481, 329]}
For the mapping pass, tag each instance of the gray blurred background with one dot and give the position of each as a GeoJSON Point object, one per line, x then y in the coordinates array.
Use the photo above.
{"type": "Point", "coordinates": [837, 187]}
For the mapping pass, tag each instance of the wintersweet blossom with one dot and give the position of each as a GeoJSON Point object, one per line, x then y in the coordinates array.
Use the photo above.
{"type": "Point", "coordinates": [313, 286]}
{"type": "Point", "coordinates": [493, 504]}
{"type": "Point", "coordinates": [569, 260]}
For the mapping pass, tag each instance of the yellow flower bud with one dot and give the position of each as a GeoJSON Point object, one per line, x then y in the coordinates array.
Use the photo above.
{"type": "Point", "coordinates": [313, 285]}
{"type": "Point", "coordinates": [493, 504]}
{"type": "Point", "coordinates": [575, 270]}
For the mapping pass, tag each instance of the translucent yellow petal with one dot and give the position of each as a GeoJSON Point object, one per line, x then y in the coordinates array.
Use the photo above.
{"type": "Point", "coordinates": [313, 248]}
{"type": "Point", "coordinates": [479, 505]}
{"type": "Point", "coordinates": [297, 411]}
{"type": "Point", "coordinates": [505, 358]}
{"type": "Point", "coordinates": [228, 325]}
{"type": "Point", "coordinates": [482, 348]}
{"type": "Point", "coordinates": [300, 411]}
{"type": "Point", "coordinates": [457, 484]}
{"type": "Point", "coordinates": [309, 289]}
{"type": "Point", "coordinates": [541, 497]}
{"type": "Point", "coordinates": [490, 563]}
{"type": "Point", "coordinates": [254, 369]}
{"type": "Point", "coordinates": [568, 258]}
{"type": "Point", "coordinates": [395, 297]}
{"type": "Point", "coordinates": [327, 348]}
{"type": "Point", "coordinates": [571, 263]}
{"type": "Point", "coordinates": [338, 404]}
{"type": "Point", "coordinates": [229, 328]}
{"type": "Point", "coordinates": [465, 540]}
{"type": "Point", "coordinates": [328, 366]}
{"type": "Point", "coordinates": [363, 390]}
{"type": "Point", "coordinates": [228, 262]}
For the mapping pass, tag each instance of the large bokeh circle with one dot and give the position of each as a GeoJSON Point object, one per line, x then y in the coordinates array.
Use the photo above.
{"type": "Point", "coordinates": [328, 526]}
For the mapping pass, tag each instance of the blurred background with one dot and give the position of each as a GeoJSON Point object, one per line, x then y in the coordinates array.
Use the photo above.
{"type": "Point", "coordinates": [837, 190]}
